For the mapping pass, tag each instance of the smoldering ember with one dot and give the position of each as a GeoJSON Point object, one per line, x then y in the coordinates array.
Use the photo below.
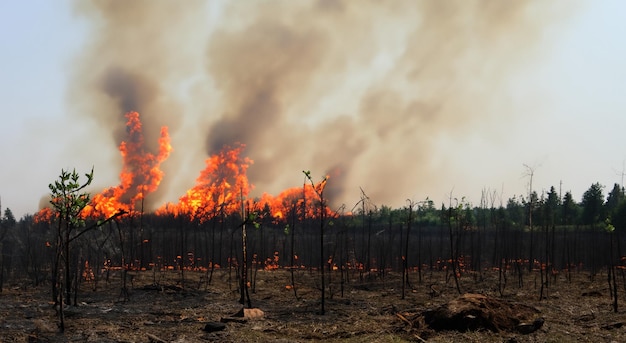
{"type": "Point", "coordinates": [220, 265]}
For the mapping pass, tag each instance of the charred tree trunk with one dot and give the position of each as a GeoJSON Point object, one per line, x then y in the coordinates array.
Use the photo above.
{"type": "Point", "coordinates": [611, 274]}
{"type": "Point", "coordinates": [453, 258]}
{"type": "Point", "coordinates": [183, 254]}
{"type": "Point", "coordinates": [66, 255]}
{"type": "Point", "coordinates": [243, 282]}
{"type": "Point", "coordinates": [368, 256]}
{"type": "Point", "coordinates": [292, 237]}
{"type": "Point", "coordinates": [405, 257]}
{"type": "Point", "coordinates": [419, 252]}
{"type": "Point", "coordinates": [124, 288]}
{"type": "Point", "coordinates": [322, 257]}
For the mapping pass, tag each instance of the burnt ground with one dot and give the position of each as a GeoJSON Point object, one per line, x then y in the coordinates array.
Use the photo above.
{"type": "Point", "coordinates": [370, 310]}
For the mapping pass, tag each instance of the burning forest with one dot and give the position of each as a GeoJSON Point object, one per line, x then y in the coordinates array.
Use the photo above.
{"type": "Point", "coordinates": [140, 174]}
{"type": "Point", "coordinates": [218, 235]}
{"type": "Point", "coordinates": [218, 110]}
{"type": "Point", "coordinates": [221, 188]}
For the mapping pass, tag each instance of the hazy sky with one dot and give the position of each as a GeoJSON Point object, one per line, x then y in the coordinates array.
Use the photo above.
{"type": "Point", "coordinates": [407, 100]}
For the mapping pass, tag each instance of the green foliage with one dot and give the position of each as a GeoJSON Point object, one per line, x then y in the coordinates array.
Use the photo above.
{"type": "Point", "coordinates": [618, 216]}
{"type": "Point", "coordinates": [608, 226]}
{"type": "Point", "coordinates": [515, 212]}
{"type": "Point", "coordinates": [615, 197]}
{"type": "Point", "coordinates": [569, 209]}
{"type": "Point", "coordinates": [7, 223]}
{"type": "Point", "coordinates": [592, 203]}
{"type": "Point", "coordinates": [9, 218]}
{"type": "Point", "coordinates": [461, 215]}
{"type": "Point", "coordinates": [68, 198]}
{"type": "Point", "coordinates": [253, 219]}
{"type": "Point", "coordinates": [551, 205]}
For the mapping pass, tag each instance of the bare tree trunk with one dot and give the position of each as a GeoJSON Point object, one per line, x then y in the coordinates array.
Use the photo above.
{"type": "Point", "coordinates": [1, 270]}
{"type": "Point", "coordinates": [243, 282]}
{"type": "Point", "coordinates": [66, 246]}
{"type": "Point", "coordinates": [61, 314]}
{"type": "Point", "coordinates": [368, 257]}
{"type": "Point", "coordinates": [611, 274]}
{"type": "Point", "coordinates": [322, 257]}
{"type": "Point", "coordinates": [183, 254]}
{"type": "Point", "coordinates": [292, 235]}
{"type": "Point", "coordinates": [405, 259]}
{"type": "Point", "coordinates": [452, 250]}
{"type": "Point", "coordinates": [124, 289]}
{"type": "Point", "coordinates": [342, 247]}
{"type": "Point", "coordinates": [419, 251]}
{"type": "Point", "coordinates": [531, 173]}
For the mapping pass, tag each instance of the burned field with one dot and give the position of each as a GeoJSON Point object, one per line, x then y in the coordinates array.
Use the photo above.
{"type": "Point", "coordinates": [245, 247]}
{"type": "Point", "coordinates": [367, 309]}
{"type": "Point", "coordinates": [221, 266]}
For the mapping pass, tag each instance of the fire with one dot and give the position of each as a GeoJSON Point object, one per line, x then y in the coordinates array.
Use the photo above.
{"type": "Point", "coordinates": [291, 200]}
{"type": "Point", "coordinates": [219, 188]}
{"type": "Point", "coordinates": [44, 215]}
{"type": "Point", "coordinates": [141, 173]}
{"type": "Point", "coordinates": [272, 263]}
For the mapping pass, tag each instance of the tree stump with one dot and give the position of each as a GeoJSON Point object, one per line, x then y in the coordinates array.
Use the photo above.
{"type": "Point", "coordinates": [472, 312]}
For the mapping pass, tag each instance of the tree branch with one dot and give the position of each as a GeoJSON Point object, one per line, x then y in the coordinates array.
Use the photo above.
{"type": "Point", "coordinates": [98, 224]}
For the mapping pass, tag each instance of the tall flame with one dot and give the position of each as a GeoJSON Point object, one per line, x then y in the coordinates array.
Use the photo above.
{"type": "Point", "coordinates": [141, 173]}
{"type": "Point", "coordinates": [219, 188]}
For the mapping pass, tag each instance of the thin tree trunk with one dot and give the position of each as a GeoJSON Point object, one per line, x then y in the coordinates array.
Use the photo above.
{"type": "Point", "coordinates": [452, 257]}
{"type": "Point", "coordinates": [293, 235]}
{"type": "Point", "coordinates": [405, 259]}
{"type": "Point", "coordinates": [322, 257]}
{"type": "Point", "coordinates": [612, 274]}
{"type": "Point", "coordinates": [243, 283]}
{"type": "Point", "coordinates": [68, 288]}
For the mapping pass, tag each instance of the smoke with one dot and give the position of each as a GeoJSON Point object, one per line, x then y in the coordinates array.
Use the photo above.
{"type": "Point", "coordinates": [135, 59]}
{"type": "Point", "coordinates": [372, 93]}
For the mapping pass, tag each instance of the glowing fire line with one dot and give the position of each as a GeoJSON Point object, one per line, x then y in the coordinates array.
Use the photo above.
{"type": "Point", "coordinates": [219, 190]}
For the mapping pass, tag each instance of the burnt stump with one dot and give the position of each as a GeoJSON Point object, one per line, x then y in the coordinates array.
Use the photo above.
{"type": "Point", "coordinates": [471, 312]}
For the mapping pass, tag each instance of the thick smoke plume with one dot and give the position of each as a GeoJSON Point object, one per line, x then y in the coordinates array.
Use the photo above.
{"type": "Point", "coordinates": [373, 93]}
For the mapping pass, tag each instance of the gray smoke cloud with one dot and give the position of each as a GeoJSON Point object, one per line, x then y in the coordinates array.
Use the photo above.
{"type": "Point", "coordinates": [364, 91]}
{"type": "Point", "coordinates": [135, 60]}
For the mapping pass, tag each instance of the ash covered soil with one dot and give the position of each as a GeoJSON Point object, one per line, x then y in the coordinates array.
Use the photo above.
{"type": "Point", "coordinates": [159, 309]}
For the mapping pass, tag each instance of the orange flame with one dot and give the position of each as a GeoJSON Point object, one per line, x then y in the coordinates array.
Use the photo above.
{"type": "Point", "coordinates": [291, 200]}
{"type": "Point", "coordinates": [218, 189]}
{"type": "Point", "coordinates": [44, 215]}
{"type": "Point", "coordinates": [141, 173]}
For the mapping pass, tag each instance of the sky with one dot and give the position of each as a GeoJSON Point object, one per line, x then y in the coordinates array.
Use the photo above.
{"type": "Point", "coordinates": [405, 100]}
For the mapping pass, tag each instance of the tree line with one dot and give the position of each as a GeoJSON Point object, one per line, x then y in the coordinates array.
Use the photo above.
{"type": "Point", "coordinates": [547, 234]}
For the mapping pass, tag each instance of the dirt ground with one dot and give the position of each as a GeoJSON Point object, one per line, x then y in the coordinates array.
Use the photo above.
{"type": "Point", "coordinates": [370, 310]}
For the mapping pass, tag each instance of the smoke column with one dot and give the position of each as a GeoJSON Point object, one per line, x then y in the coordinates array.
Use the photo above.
{"type": "Point", "coordinates": [373, 93]}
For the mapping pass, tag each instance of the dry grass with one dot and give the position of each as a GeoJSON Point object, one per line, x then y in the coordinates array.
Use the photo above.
{"type": "Point", "coordinates": [367, 312]}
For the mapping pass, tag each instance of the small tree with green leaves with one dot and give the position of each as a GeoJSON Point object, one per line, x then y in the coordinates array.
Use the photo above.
{"type": "Point", "coordinates": [68, 199]}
